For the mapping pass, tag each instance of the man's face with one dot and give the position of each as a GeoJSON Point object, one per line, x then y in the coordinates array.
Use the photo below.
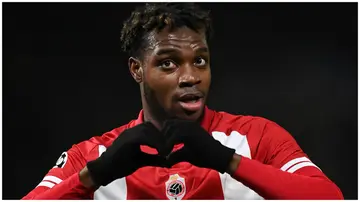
{"type": "Point", "coordinates": [177, 74]}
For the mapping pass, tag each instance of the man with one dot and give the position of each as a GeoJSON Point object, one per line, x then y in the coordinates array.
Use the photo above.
{"type": "Point", "coordinates": [178, 148]}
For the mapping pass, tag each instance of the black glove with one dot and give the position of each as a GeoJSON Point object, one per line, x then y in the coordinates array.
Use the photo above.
{"type": "Point", "coordinates": [200, 148]}
{"type": "Point", "coordinates": [124, 156]}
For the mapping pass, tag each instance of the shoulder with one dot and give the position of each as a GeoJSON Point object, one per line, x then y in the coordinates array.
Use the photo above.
{"type": "Point", "coordinates": [76, 157]}
{"type": "Point", "coordinates": [243, 124]}
{"type": "Point", "coordinates": [92, 148]}
{"type": "Point", "coordinates": [244, 133]}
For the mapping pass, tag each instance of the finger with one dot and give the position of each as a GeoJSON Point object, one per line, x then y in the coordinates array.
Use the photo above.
{"type": "Point", "coordinates": [168, 127]}
{"type": "Point", "coordinates": [155, 142]}
{"type": "Point", "coordinates": [178, 122]}
{"type": "Point", "coordinates": [169, 122]}
{"type": "Point", "coordinates": [181, 155]}
{"type": "Point", "coordinates": [172, 126]}
{"type": "Point", "coordinates": [148, 127]}
{"type": "Point", "coordinates": [173, 139]}
{"type": "Point", "coordinates": [167, 131]}
{"type": "Point", "coordinates": [175, 134]}
{"type": "Point", "coordinates": [174, 123]}
{"type": "Point", "coordinates": [153, 138]}
{"type": "Point", "coordinates": [153, 160]}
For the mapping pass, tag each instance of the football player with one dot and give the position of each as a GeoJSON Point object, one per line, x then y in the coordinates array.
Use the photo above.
{"type": "Point", "coordinates": [178, 148]}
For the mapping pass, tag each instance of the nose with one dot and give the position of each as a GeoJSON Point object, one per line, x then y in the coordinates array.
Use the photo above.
{"type": "Point", "coordinates": [189, 77]}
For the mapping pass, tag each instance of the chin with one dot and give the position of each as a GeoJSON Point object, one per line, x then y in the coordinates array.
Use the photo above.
{"type": "Point", "coordinates": [190, 116]}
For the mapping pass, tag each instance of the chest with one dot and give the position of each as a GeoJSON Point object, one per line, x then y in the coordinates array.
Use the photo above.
{"type": "Point", "coordinates": [180, 183]}
{"type": "Point", "coordinates": [175, 184]}
{"type": "Point", "coordinates": [183, 181]}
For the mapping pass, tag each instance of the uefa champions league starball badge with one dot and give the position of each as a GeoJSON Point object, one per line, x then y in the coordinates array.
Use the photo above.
{"type": "Point", "coordinates": [60, 163]}
{"type": "Point", "coordinates": [175, 187]}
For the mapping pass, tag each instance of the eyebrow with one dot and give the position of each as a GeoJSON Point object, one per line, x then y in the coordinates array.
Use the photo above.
{"type": "Point", "coordinates": [172, 50]}
{"type": "Point", "coordinates": [202, 50]}
{"type": "Point", "coordinates": [166, 51]}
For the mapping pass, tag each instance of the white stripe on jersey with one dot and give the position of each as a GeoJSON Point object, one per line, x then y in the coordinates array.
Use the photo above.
{"type": "Point", "coordinates": [301, 165]}
{"type": "Point", "coordinates": [293, 162]}
{"type": "Point", "coordinates": [53, 179]}
{"type": "Point", "coordinates": [232, 188]}
{"type": "Point", "coordinates": [116, 190]}
{"type": "Point", "coordinates": [46, 184]}
{"type": "Point", "coordinates": [102, 149]}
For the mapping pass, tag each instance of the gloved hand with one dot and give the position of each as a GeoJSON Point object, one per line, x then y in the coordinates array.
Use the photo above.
{"type": "Point", "coordinates": [124, 156]}
{"type": "Point", "coordinates": [200, 148]}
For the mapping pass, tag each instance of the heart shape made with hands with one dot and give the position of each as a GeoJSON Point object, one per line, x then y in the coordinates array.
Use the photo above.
{"type": "Point", "coordinates": [188, 141]}
{"type": "Point", "coordinates": [176, 132]}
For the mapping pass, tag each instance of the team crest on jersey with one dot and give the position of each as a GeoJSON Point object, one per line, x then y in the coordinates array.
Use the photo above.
{"type": "Point", "coordinates": [175, 187]}
{"type": "Point", "coordinates": [60, 163]}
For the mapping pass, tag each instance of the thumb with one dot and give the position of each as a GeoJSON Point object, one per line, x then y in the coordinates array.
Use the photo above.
{"type": "Point", "coordinates": [182, 155]}
{"type": "Point", "coordinates": [153, 160]}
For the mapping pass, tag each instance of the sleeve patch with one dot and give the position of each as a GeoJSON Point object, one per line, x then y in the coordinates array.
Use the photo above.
{"type": "Point", "coordinates": [60, 163]}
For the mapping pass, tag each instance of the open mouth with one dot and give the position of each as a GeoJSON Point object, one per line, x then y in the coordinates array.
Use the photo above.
{"type": "Point", "coordinates": [191, 102]}
{"type": "Point", "coordinates": [189, 98]}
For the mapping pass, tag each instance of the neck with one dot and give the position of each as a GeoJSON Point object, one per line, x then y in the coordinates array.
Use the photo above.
{"type": "Point", "coordinates": [148, 117]}
{"type": "Point", "coordinates": [158, 122]}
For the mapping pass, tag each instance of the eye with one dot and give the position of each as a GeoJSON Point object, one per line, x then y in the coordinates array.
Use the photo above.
{"type": "Point", "coordinates": [199, 61]}
{"type": "Point", "coordinates": [167, 64]}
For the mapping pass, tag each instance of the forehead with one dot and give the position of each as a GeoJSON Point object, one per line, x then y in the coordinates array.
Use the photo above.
{"type": "Point", "coordinates": [178, 38]}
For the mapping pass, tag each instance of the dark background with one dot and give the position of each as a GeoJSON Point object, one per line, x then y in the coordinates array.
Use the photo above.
{"type": "Point", "coordinates": [66, 80]}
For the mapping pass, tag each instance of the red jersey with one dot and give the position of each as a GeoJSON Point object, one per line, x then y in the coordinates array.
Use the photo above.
{"type": "Point", "coordinates": [273, 166]}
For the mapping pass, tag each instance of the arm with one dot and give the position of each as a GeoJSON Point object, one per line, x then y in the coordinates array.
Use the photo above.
{"type": "Point", "coordinates": [71, 179]}
{"type": "Point", "coordinates": [63, 180]}
{"type": "Point", "coordinates": [286, 173]}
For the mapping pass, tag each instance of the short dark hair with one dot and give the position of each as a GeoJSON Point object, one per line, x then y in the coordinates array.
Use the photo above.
{"type": "Point", "coordinates": [156, 16]}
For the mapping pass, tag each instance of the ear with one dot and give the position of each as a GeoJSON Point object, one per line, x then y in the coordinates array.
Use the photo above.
{"type": "Point", "coordinates": [136, 69]}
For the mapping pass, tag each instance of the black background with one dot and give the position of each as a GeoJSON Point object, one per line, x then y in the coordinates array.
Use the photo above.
{"type": "Point", "coordinates": [66, 80]}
